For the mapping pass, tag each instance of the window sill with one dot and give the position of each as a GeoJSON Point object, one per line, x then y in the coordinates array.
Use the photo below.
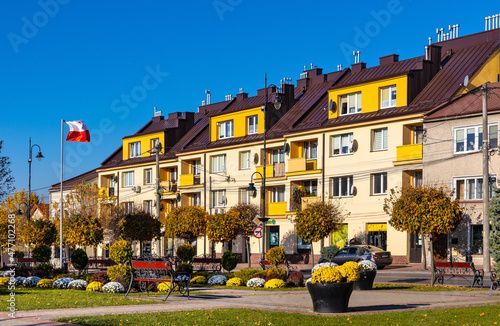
{"type": "Point", "coordinates": [470, 201]}
{"type": "Point", "coordinates": [339, 197]}
{"type": "Point", "coordinates": [384, 194]}
{"type": "Point", "coordinates": [335, 155]}
{"type": "Point", "coordinates": [380, 150]}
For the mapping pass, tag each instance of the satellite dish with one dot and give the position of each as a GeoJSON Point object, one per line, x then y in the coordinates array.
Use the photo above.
{"type": "Point", "coordinates": [331, 106]}
{"type": "Point", "coordinates": [354, 146]}
{"type": "Point", "coordinates": [466, 81]}
{"type": "Point", "coordinates": [255, 158]}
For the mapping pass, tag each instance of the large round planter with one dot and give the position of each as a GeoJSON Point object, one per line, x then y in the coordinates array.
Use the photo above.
{"type": "Point", "coordinates": [365, 281]}
{"type": "Point", "coordinates": [330, 297]}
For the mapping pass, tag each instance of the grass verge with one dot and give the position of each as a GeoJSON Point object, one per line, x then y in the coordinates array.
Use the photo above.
{"type": "Point", "coordinates": [36, 298]}
{"type": "Point", "coordinates": [482, 315]}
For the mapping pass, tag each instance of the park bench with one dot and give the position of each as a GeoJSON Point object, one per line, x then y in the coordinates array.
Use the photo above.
{"type": "Point", "coordinates": [494, 282]}
{"type": "Point", "coordinates": [147, 270]}
{"type": "Point", "coordinates": [286, 265]}
{"type": "Point", "coordinates": [26, 261]}
{"type": "Point", "coordinates": [453, 269]}
{"type": "Point", "coordinates": [206, 264]}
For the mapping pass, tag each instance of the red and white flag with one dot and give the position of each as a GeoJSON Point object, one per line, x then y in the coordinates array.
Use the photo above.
{"type": "Point", "coordinates": [78, 131]}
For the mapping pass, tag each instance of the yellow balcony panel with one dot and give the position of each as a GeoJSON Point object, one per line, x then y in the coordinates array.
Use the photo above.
{"type": "Point", "coordinates": [186, 180]}
{"type": "Point", "coordinates": [168, 187]}
{"type": "Point", "coordinates": [409, 152]}
{"type": "Point", "coordinates": [297, 164]}
{"type": "Point", "coordinates": [276, 208]}
{"type": "Point", "coordinates": [309, 200]}
{"type": "Point", "coordinates": [104, 191]}
{"type": "Point", "coordinates": [311, 165]}
{"type": "Point", "coordinates": [269, 171]}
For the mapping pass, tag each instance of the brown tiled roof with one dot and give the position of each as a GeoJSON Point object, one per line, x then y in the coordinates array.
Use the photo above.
{"type": "Point", "coordinates": [70, 183]}
{"type": "Point", "coordinates": [468, 104]}
{"type": "Point", "coordinates": [152, 127]}
{"type": "Point", "coordinates": [397, 68]}
{"type": "Point", "coordinates": [43, 208]}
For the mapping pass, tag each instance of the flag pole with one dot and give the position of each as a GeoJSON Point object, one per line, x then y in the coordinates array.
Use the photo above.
{"type": "Point", "coordinates": [61, 200]}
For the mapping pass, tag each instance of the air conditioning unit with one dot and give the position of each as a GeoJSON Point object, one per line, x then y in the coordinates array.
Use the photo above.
{"type": "Point", "coordinates": [137, 189]}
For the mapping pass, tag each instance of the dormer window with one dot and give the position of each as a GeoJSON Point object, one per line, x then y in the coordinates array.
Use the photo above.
{"type": "Point", "coordinates": [135, 149]}
{"type": "Point", "coordinates": [226, 129]}
{"type": "Point", "coordinates": [388, 97]}
{"type": "Point", "coordinates": [253, 125]}
{"type": "Point", "coordinates": [350, 103]}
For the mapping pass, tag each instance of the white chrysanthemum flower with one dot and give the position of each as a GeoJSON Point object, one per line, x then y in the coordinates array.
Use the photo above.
{"type": "Point", "coordinates": [327, 264]}
{"type": "Point", "coordinates": [113, 287]}
{"type": "Point", "coordinates": [367, 266]}
{"type": "Point", "coordinates": [31, 281]}
{"type": "Point", "coordinates": [217, 280]}
{"type": "Point", "coordinates": [78, 285]}
{"type": "Point", "coordinates": [256, 282]}
{"type": "Point", "coordinates": [62, 283]}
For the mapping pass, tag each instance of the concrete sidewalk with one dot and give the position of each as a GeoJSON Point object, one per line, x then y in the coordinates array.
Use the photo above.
{"type": "Point", "coordinates": [362, 302]}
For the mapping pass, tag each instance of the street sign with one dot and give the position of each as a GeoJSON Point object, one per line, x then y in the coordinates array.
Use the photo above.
{"type": "Point", "coordinates": [257, 232]}
{"type": "Point", "coordinates": [256, 220]}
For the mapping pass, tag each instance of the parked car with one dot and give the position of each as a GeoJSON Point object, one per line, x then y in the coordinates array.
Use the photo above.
{"type": "Point", "coordinates": [380, 257]}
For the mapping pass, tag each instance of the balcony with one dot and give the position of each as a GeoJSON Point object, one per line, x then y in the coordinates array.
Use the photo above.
{"type": "Point", "coordinates": [170, 187]}
{"type": "Point", "coordinates": [107, 191]}
{"type": "Point", "coordinates": [269, 171]}
{"type": "Point", "coordinates": [302, 164]}
{"type": "Point", "coordinates": [276, 208]}
{"type": "Point", "coordinates": [409, 152]}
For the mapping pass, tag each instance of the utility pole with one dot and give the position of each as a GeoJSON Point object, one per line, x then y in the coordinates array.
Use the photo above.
{"type": "Point", "coordinates": [486, 184]}
{"type": "Point", "coordinates": [158, 195]}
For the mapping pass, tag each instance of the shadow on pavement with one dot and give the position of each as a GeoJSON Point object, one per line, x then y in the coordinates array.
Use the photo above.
{"type": "Point", "coordinates": [387, 307]}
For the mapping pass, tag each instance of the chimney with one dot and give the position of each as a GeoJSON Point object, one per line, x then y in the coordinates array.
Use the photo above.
{"type": "Point", "coordinates": [389, 59]}
{"type": "Point", "coordinates": [357, 67]}
{"type": "Point", "coordinates": [241, 96]}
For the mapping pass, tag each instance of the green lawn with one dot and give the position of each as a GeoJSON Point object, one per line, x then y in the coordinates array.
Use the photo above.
{"type": "Point", "coordinates": [424, 288]}
{"type": "Point", "coordinates": [36, 298]}
{"type": "Point", "coordinates": [483, 315]}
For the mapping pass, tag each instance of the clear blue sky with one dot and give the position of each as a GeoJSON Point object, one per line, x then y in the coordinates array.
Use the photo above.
{"type": "Point", "coordinates": [80, 60]}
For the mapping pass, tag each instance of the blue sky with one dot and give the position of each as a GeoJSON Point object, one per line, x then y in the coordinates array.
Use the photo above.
{"type": "Point", "coordinates": [109, 63]}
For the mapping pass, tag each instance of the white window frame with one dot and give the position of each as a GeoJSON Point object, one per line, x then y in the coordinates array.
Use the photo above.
{"type": "Point", "coordinates": [244, 196]}
{"type": "Point", "coordinates": [219, 163]}
{"type": "Point", "coordinates": [173, 175]}
{"type": "Point", "coordinates": [277, 156]}
{"type": "Point", "coordinates": [245, 160]}
{"type": "Point", "coordinates": [392, 97]}
{"type": "Point", "coordinates": [278, 194]}
{"type": "Point", "coordinates": [356, 97]}
{"type": "Point", "coordinates": [135, 149]}
{"type": "Point", "coordinates": [475, 182]}
{"type": "Point", "coordinates": [383, 183]}
{"type": "Point", "coordinates": [148, 176]}
{"type": "Point", "coordinates": [196, 199]}
{"type": "Point", "coordinates": [384, 139]}
{"type": "Point", "coordinates": [341, 142]}
{"type": "Point", "coordinates": [218, 198]}
{"type": "Point", "coordinates": [476, 144]}
{"type": "Point", "coordinates": [128, 207]}
{"type": "Point", "coordinates": [310, 187]}
{"type": "Point", "coordinates": [311, 149]}
{"type": "Point", "coordinates": [253, 124]}
{"type": "Point", "coordinates": [196, 167]}
{"type": "Point", "coordinates": [148, 206]}
{"type": "Point", "coordinates": [337, 183]}
{"type": "Point", "coordinates": [226, 129]}
{"type": "Point", "coordinates": [128, 179]}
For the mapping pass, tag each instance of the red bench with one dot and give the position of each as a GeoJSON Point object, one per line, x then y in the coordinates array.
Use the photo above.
{"type": "Point", "coordinates": [452, 269]}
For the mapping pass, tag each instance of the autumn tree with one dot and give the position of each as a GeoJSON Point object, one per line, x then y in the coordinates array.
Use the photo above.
{"type": "Point", "coordinates": [140, 226]}
{"type": "Point", "coordinates": [318, 220]}
{"type": "Point", "coordinates": [423, 210]}
{"type": "Point", "coordinates": [6, 178]}
{"type": "Point", "coordinates": [186, 222]}
{"type": "Point", "coordinates": [38, 232]}
{"type": "Point", "coordinates": [247, 213]}
{"type": "Point", "coordinates": [224, 227]}
{"type": "Point", "coordinates": [494, 215]}
{"type": "Point", "coordinates": [82, 230]}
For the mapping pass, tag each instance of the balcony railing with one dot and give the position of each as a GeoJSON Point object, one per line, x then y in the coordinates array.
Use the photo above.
{"type": "Point", "coordinates": [301, 164]}
{"type": "Point", "coordinates": [269, 171]}
{"type": "Point", "coordinates": [276, 208]}
{"type": "Point", "coordinates": [168, 186]}
{"type": "Point", "coordinates": [309, 200]}
{"type": "Point", "coordinates": [409, 152]}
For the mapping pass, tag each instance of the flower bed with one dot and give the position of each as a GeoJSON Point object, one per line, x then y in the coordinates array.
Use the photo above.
{"type": "Point", "coordinates": [274, 284]}
{"type": "Point", "coordinates": [44, 283]}
{"type": "Point", "coordinates": [235, 281]}
{"type": "Point", "coordinates": [94, 287]}
{"type": "Point", "coordinates": [78, 285]}
{"type": "Point", "coordinates": [62, 283]}
{"type": "Point", "coordinates": [217, 280]}
{"type": "Point", "coordinates": [256, 282]}
{"type": "Point", "coordinates": [31, 281]}
{"type": "Point", "coordinates": [113, 287]}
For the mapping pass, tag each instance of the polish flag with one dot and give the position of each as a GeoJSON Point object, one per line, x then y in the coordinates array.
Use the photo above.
{"type": "Point", "coordinates": [78, 131]}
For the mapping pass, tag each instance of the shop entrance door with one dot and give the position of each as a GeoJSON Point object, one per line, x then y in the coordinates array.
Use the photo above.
{"type": "Point", "coordinates": [415, 248]}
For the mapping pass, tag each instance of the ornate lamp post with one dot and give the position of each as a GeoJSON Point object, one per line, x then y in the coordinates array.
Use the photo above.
{"type": "Point", "coordinates": [39, 156]}
{"type": "Point", "coordinates": [251, 188]}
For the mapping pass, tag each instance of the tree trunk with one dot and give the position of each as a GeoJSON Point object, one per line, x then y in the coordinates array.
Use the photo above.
{"type": "Point", "coordinates": [432, 258]}
{"type": "Point", "coordinates": [312, 253]}
{"type": "Point", "coordinates": [424, 256]}
{"type": "Point", "coordinates": [247, 243]}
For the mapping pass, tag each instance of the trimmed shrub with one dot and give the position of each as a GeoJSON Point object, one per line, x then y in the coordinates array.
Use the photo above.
{"type": "Point", "coordinates": [122, 281]}
{"type": "Point", "coordinates": [295, 279]}
{"type": "Point", "coordinates": [100, 277]}
{"type": "Point", "coordinates": [41, 253]}
{"type": "Point", "coordinates": [260, 275]}
{"type": "Point", "coordinates": [185, 252]}
{"type": "Point", "coordinates": [78, 285]}
{"type": "Point", "coordinates": [275, 256]}
{"type": "Point", "coordinates": [79, 259]}
{"type": "Point", "coordinates": [247, 273]}
{"type": "Point", "coordinates": [94, 287]}
{"type": "Point", "coordinates": [256, 282]}
{"type": "Point", "coordinates": [18, 254]}
{"type": "Point", "coordinates": [330, 252]}
{"type": "Point", "coordinates": [235, 281]}
{"type": "Point", "coordinates": [44, 283]}
{"type": "Point", "coordinates": [86, 277]}
{"type": "Point", "coordinates": [164, 286]}
{"type": "Point", "coordinates": [184, 267]}
{"type": "Point", "coordinates": [121, 251]}
{"type": "Point", "coordinates": [273, 276]}
{"type": "Point", "coordinates": [229, 260]}
{"type": "Point", "coordinates": [113, 287]}
{"type": "Point", "coordinates": [119, 270]}
{"type": "Point", "coordinates": [277, 270]}
{"type": "Point", "coordinates": [42, 270]}
{"type": "Point", "coordinates": [274, 284]}
{"type": "Point", "coordinates": [200, 279]}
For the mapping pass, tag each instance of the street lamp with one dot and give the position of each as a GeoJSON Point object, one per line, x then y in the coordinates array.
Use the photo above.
{"type": "Point", "coordinates": [251, 188]}
{"type": "Point", "coordinates": [39, 156]}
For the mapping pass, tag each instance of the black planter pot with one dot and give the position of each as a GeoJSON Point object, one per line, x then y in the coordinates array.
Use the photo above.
{"type": "Point", "coordinates": [330, 297]}
{"type": "Point", "coordinates": [365, 281]}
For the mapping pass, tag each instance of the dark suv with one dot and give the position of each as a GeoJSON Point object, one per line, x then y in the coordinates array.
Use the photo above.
{"type": "Point", "coordinates": [380, 257]}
